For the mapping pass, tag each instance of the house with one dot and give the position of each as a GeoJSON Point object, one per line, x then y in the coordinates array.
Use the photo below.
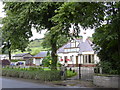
{"type": "Point", "coordinates": [27, 57]}
{"type": "Point", "coordinates": [4, 56]}
{"type": "Point", "coordinates": [37, 59]}
{"type": "Point", "coordinates": [78, 52]}
{"type": "Point", "coordinates": [23, 56]}
{"type": "Point", "coordinates": [4, 62]}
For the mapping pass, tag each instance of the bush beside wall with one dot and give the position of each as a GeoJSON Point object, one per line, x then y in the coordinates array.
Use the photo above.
{"type": "Point", "coordinates": [38, 75]}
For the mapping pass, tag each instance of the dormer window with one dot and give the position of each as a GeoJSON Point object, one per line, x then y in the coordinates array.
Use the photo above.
{"type": "Point", "coordinates": [74, 43]}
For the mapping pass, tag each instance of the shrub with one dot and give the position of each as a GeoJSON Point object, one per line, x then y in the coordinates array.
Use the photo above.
{"type": "Point", "coordinates": [47, 61]}
{"type": "Point", "coordinates": [59, 64]}
{"type": "Point", "coordinates": [71, 73]}
{"type": "Point", "coordinates": [21, 74]}
{"type": "Point", "coordinates": [48, 75]}
{"type": "Point", "coordinates": [29, 75]}
{"type": "Point", "coordinates": [37, 74]}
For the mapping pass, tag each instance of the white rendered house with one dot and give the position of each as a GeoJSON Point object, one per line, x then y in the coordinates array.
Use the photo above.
{"type": "Point", "coordinates": [78, 52]}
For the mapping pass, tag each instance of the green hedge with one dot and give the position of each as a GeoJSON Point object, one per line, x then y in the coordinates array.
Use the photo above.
{"type": "Point", "coordinates": [38, 75]}
{"type": "Point", "coordinates": [16, 60]}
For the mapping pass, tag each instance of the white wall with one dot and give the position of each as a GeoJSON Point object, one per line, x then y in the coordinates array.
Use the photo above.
{"type": "Point", "coordinates": [18, 57]}
{"type": "Point", "coordinates": [80, 58]}
{"type": "Point", "coordinates": [37, 61]}
{"type": "Point", "coordinates": [61, 55]}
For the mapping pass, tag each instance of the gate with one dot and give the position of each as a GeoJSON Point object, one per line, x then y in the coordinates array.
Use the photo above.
{"type": "Point", "coordinates": [86, 73]}
{"type": "Point", "coordinates": [83, 73]}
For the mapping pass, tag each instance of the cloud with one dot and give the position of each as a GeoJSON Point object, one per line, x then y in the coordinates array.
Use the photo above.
{"type": "Point", "coordinates": [37, 35]}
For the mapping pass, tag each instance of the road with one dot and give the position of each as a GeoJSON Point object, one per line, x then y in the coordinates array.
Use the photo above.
{"type": "Point", "coordinates": [8, 82]}
{"type": "Point", "coordinates": [17, 83]}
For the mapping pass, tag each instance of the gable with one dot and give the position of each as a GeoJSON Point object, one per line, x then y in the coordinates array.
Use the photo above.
{"type": "Point", "coordinates": [78, 46]}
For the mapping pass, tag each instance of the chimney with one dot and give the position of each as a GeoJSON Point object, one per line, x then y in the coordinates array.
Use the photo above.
{"type": "Point", "coordinates": [84, 36]}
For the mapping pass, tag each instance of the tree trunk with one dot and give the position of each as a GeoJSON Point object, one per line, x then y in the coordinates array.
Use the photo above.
{"type": "Point", "coordinates": [9, 51]}
{"type": "Point", "coordinates": [54, 53]}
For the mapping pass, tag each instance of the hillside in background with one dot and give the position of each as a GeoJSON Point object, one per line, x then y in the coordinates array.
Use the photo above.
{"type": "Point", "coordinates": [34, 47]}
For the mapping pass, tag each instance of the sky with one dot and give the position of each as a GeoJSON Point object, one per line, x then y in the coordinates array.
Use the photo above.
{"type": "Point", "coordinates": [37, 35]}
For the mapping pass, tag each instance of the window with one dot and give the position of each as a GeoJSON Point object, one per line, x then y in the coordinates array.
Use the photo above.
{"type": "Point", "coordinates": [71, 58]}
{"type": "Point", "coordinates": [71, 49]}
{"type": "Point", "coordinates": [92, 59]}
{"type": "Point", "coordinates": [73, 44]}
{"type": "Point", "coordinates": [65, 58]}
{"type": "Point", "coordinates": [89, 59]}
{"type": "Point", "coordinates": [86, 59]}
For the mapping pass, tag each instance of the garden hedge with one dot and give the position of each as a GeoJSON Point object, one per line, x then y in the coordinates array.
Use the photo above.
{"type": "Point", "coordinates": [38, 75]}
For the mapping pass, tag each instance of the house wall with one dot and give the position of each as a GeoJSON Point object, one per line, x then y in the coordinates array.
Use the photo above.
{"type": "Point", "coordinates": [27, 55]}
{"type": "Point", "coordinates": [18, 57]}
{"type": "Point", "coordinates": [37, 61]}
{"type": "Point", "coordinates": [85, 56]}
{"type": "Point", "coordinates": [73, 61]}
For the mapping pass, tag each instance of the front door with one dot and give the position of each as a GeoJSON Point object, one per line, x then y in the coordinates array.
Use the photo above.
{"type": "Point", "coordinates": [76, 61]}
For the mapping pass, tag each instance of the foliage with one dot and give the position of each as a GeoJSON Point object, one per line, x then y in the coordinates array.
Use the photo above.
{"type": "Point", "coordinates": [107, 68]}
{"type": "Point", "coordinates": [62, 39]}
{"type": "Point", "coordinates": [34, 68]}
{"type": "Point", "coordinates": [32, 14]}
{"type": "Point", "coordinates": [34, 47]}
{"type": "Point", "coordinates": [107, 39]}
{"type": "Point", "coordinates": [37, 74]}
{"type": "Point", "coordinates": [16, 60]}
{"type": "Point", "coordinates": [71, 73]}
{"type": "Point", "coordinates": [74, 13]}
{"type": "Point", "coordinates": [59, 64]}
{"type": "Point", "coordinates": [47, 61]}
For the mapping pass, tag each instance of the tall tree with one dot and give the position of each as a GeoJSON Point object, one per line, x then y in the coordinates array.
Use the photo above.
{"type": "Point", "coordinates": [108, 37]}
{"type": "Point", "coordinates": [62, 39]}
{"type": "Point", "coordinates": [22, 16]}
{"type": "Point", "coordinates": [85, 14]}
{"type": "Point", "coordinates": [16, 29]}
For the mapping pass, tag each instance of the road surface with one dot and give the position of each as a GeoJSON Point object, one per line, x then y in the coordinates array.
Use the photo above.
{"type": "Point", "coordinates": [8, 82]}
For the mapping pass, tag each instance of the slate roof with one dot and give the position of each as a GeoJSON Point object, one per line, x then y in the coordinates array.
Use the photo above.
{"type": "Point", "coordinates": [83, 46]}
{"type": "Point", "coordinates": [20, 55]}
{"type": "Point", "coordinates": [86, 46]}
{"type": "Point", "coordinates": [41, 54]}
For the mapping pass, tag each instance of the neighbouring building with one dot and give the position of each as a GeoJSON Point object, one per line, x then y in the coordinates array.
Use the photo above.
{"type": "Point", "coordinates": [22, 56]}
{"type": "Point", "coordinates": [27, 57]}
{"type": "Point", "coordinates": [4, 56]}
{"type": "Point", "coordinates": [37, 59]}
{"type": "Point", "coordinates": [4, 62]}
{"type": "Point", "coordinates": [78, 52]}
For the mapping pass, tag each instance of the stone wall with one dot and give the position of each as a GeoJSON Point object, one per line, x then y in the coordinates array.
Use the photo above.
{"type": "Point", "coordinates": [107, 81]}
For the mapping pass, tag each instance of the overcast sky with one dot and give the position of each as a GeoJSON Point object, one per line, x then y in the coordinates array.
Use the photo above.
{"type": "Point", "coordinates": [89, 32]}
